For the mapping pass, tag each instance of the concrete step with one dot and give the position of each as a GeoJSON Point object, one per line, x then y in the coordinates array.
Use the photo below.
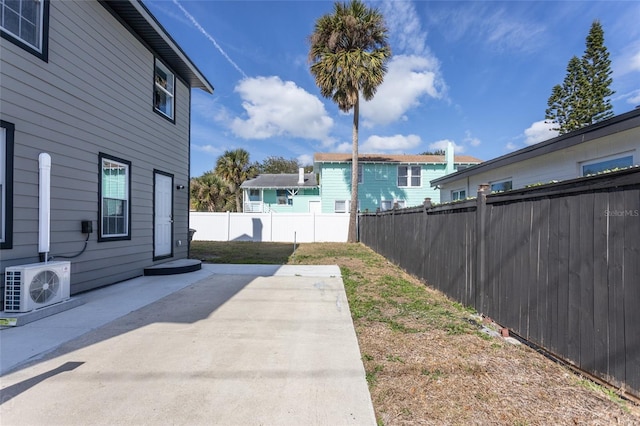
{"type": "Point", "coordinates": [173, 267]}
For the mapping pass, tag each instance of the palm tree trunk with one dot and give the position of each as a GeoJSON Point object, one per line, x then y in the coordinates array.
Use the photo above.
{"type": "Point", "coordinates": [353, 211]}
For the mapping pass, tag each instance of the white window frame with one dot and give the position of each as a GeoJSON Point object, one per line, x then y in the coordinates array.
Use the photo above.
{"type": "Point", "coordinates": [494, 185]}
{"type": "Point", "coordinates": [410, 176]}
{"type": "Point", "coordinates": [341, 210]}
{"type": "Point", "coordinates": [165, 86]}
{"type": "Point", "coordinates": [39, 23]}
{"type": "Point", "coordinates": [113, 163]}
{"type": "Point", "coordinates": [621, 156]}
{"type": "Point", "coordinates": [458, 194]}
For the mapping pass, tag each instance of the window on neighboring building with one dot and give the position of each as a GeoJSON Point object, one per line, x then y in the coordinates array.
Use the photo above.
{"type": "Point", "coordinates": [281, 196]}
{"type": "Point", "coordinates": [164, 90]}
{"type": "Point", "coordinates": [458, 194]}
{"type": "Point", "coordinates": [341, 206]}
{"type": "Point", "coordinates": [25, 23]}
{"type": "Point", "coordinates": [360, 173]}
{"type": "Point", "coordinates": [609, 163]}
{"type": "Point", "coordinates": [254, 195]}
{"type": "Point", "coordinates": [409, 176]}
{"type": "Point", "coordinates": [501, 186]}
{"type": "Point", "coordinates": [380, 172]}
{"type": "Point", "coordinates": [388, 204]}
{"type": "Point", "coordinates": [115, 206]}
{"type": "Point", "coordinates": [6, 184]}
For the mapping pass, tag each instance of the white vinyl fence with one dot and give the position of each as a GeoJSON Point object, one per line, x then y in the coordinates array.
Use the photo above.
{"type": "Point", "coordinates": [276, 227]}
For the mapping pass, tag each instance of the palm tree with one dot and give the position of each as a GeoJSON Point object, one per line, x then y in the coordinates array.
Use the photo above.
{"type": "Point", "coordinates": [234, 168]}
{"type": "Point", "coordinates": [348, 57]}
{"type": "Point", "coordinates": [210, 193]}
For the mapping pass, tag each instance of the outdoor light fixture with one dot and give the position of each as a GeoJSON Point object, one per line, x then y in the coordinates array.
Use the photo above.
{"type": "Point", "coordinates": [179, 187]}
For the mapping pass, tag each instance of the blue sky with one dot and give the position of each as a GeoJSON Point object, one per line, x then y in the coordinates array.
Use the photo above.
{"type": "Point", "coordinates": [475, 73]}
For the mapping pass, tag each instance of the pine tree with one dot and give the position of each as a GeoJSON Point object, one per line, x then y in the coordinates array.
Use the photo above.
{"type": "Point", "coordinates": [597, 71]}
{"type": "Point", "coordinates": [583, 97]}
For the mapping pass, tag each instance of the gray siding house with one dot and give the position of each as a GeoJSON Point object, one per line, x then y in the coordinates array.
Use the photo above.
{"type": "Point", "coordinates": [103, 89]}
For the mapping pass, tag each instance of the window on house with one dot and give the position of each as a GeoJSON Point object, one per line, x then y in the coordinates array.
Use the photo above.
{"type": "Point", "coordinates": [25, 24]}
{"type": "Point", "coordinates": [501, 186]}
{"type": "Point", "coordinates": [409, 176]}
{"type": "Point", "coordinates": [164, 90]}
{"type": "Point", "coordinates": [115, 206]}
{"type": "Point", "coordinates": [458, 194]}
{"type": "Point", "coordinates": [609, 163]}
{"type": "Point", "coordinates": [6, 184]}
{"type": "Point", "coordinates": [254, 195]}
{"type": "Point", "coordinates": [380, 172]}
{"type": "Point", "coordinates": [281, 196]}
{"type": "Point", "coordinates": [341, 206]}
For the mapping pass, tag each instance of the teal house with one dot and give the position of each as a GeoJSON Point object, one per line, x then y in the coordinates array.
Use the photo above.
{"type": "Point", "coordinates": [281, 193]}
{"type": "Point", "coordinates": [383, 180]}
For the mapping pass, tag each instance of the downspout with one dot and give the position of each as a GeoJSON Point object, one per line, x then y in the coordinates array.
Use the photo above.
{"type": "Point", "coordinates": [44, 204]}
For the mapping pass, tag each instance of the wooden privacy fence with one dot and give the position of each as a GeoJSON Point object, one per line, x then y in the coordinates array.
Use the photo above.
{"type": "Point", "coordinates": [558, 264]}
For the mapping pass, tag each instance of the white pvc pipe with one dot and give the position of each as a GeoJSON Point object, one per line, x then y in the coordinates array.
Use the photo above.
{"type": "Point", "coordinates": [44, 205]}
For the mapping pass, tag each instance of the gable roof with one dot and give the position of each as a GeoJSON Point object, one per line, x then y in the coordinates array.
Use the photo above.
{"type": "Point", "coordinates": [141, 23]}
{"type": "Point", "coordinates": [320, 157]}
{"type": "Point", "coordinates": [282, 180]}
{"type": "Point", "coordinates": [619, 123]}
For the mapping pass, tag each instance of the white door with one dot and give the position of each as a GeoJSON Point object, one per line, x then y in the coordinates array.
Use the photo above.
{"type": "Point", "coordinates": [315, 207]}
{"type": "Point", "coordinates": [163, 217]}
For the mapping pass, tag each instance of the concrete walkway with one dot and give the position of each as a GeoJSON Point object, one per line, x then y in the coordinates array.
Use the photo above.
{"type": "Point", "coordinates": [228, 345]}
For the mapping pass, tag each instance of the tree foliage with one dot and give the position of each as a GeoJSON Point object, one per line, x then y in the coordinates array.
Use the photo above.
{"type": "Point", "coordinates": [210, 193]}
{"type": "Point", "coordinates": [234, 168]}
{"type": "Point", "coordinates": [277, 165]}
{"type": "Point", "coordinates": [583, 97]}
{"type": "Point", "coordinates": [348, 55]}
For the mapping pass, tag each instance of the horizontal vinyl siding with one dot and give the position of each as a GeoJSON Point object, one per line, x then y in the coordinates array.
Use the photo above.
{"type": "Point", "coordinates": [94, 95]}
{"type": "Point", "coordinates": [559, 165]}
{"type": "Point", "coordinates": [334, 184]}
{"type": "Point", "coordinates": [380, 182]}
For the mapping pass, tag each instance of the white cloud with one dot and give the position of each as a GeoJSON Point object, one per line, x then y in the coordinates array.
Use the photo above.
{"type": "Point", "coordinates": [442, 145]}
{"type": "Point", "coordinates": [397, 143]}
{"type": "Point", "coordinates": [413, 72]}
{"type": "Point", "coordinates": [405, 27]}
{"type": "Point", "coordinates": [305, 159]}
{"type": "Point", "coordinates": [511, 146]}
{"type": "Point", "coordinates": [473, 141]}
{"type": "Point", "coordinates": [344, 147]}
{"type": "Point", "coordinates": [279, 108]}
{"type": "Point", "coordinates": [538, 132]}
{"type": "Point", "coordinates": [209, 149]}
{"type": "Point", "coordinates": [634, 99]}
{"type": "Point", "coordinates": [408, 79]}
{"type": "Point", "coordinates": [628, 61]}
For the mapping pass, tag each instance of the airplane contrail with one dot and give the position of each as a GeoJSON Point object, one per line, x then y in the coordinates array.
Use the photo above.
{"type": "Point", "coordinates": [211, 39]}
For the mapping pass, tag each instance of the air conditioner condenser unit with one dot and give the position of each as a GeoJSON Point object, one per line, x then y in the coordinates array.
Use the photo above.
{"type": "Point", "coordinates": [36, 285]}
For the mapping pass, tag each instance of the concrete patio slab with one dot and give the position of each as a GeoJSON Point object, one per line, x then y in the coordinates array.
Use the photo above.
{"type": "Point", "coordinates": [246, 347]}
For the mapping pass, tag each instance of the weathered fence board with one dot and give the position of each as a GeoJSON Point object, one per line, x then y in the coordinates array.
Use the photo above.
{"type": "Point", "coordinates": [559, 264]}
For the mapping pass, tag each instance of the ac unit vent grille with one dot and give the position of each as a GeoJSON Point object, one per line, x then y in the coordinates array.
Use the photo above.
{"type": "Point", "coordinates": [12, 290]}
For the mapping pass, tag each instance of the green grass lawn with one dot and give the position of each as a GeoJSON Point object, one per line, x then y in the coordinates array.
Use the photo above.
{"type": "Point", "coordinates": [241, 252]}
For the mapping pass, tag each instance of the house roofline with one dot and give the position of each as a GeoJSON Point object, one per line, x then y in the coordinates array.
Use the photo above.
{"type": "Point", "coordinates": [392, 159]}
{"type": "Point", "coordinates": [135, 16]}
{"type": "Point", "coordinates": [616, 124]}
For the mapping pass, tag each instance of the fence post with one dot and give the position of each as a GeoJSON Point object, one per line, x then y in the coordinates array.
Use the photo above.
{"type": "Point", "coordinates": [426, 204]}
{"type": "Point", "coordinates": [481, 272]}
